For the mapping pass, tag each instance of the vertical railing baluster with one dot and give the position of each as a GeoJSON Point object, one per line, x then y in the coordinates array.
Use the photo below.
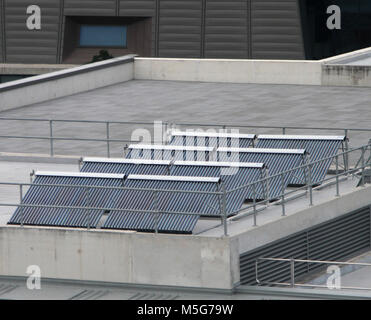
{"type": "Point", "coordinates": [108, 139]}
{"type": "Point", "coordinates": [21, 202]}
{"type": "Point", "coordinates": [337, 176]}
{"type": "Point", "coordinates": [283, 195]}
{"type": "Point", "coordinates": [254, 203]}
{"type": "Point", "coordinates": [51, 138]}
{"type": "Point", "coordinates": [310, 185]}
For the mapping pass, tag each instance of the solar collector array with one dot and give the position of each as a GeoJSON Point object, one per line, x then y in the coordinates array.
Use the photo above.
{"type": "Point", "coordinates": [163, 203]}
{"type": "Point", "coordinates": [162, 152]}
{"type": "Point", "coordinates": [276, 161]}
{"type": "Point", "coordinates": [126, 166]}
{"type": "Point", "coordinates": [233, 176]}
{"type": "Point", "coordinates": [211, 139]}
{"type": "Point", "coordinates": [317, 147]}
{"type": "Point", "coordinates": [67, 196]}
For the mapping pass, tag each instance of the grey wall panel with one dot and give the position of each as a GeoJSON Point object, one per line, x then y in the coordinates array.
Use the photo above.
{"type": "Point", "coordinates": [90, 7]}
{"type": "Point", "coordinates": [276, 30]}
{"type": "Point", "coordinates": [226, 29]}
{"type": "Point", "coordinates": [2, 38]}
{"type": "Point", "coordinates": [334, 240]}
{"type": "Point", "coordinates": [141, 8]}
{"type": "Point", "coordinates": [137, 8]}
{"type": "Point", "coordinates": [31, 46]}
{"type": "Point", "coordinates": [180, 28]}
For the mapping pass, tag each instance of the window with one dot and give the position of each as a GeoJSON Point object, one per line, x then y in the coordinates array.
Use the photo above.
{"type": "Point", "coordinates": [103, 36]}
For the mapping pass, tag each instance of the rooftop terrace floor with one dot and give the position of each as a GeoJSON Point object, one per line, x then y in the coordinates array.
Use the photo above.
{"type": "Point", "coordinates": [249, 104]}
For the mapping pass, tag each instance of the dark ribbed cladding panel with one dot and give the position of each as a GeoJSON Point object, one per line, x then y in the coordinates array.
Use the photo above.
{"type": "Point", "coordinates": [226, 29]}
{"type": "Point", "coordinates": [211, 142]}
{"type": "Point", "coordinates": [125, 168]}
{"type": "Point", "coordinates": [2, 35]}
{"type": "Point", "coordinates": [137, 8]}
{"type": "Point", "coordinates": [203, 204]}
{"type": "Point", "coordinates": [32, 46]}
{"type": "Point", "coordinates": [180, 28]}
{"type": "Point", "coordinates": [275, 162]}
{"type": "Point", "coordinates": [276, 30]}
{"type": "Point", "coordinates": [334, 240]}
{"type": "Point", "coordinates": [90, 7]}
{"type": "Point", "coordinates": [317, 150]}
{"type": "Point", "coordinates": [66, 196]}
{"type": "Point", "coordinates": [231, 177]}
{"type": "Point", "coordinates": [141, 8]}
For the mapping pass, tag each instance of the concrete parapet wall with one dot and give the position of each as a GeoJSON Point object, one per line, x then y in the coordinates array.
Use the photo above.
{"type": "Point", "coordinates": [234, 71]}
{"type": "Point", "coordinates": [120, 257]}
{"type": "Point", "coordinates": [66, 82]}
{"type": "Point", "coordinates": [346, 75]}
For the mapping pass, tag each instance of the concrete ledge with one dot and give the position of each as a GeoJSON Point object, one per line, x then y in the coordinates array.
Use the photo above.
{"type": "Point", "coordinates": [38, 158]}
{"type": "Point", "coordinates": [346, 75]}
{"type": "Point", "coordinates": [31, 69]}
{"type": "Point", "coordinates": [233, 71]}
{"type": "Point", "coordinates": [66, 82]}
{"type": "Point", "coordinates": [118, 257]}
{"type": "Point", "coordinates": [304, 219]}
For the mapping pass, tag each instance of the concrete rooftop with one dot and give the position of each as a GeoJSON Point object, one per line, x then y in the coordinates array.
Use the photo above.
{"type": "Point", "coordinates": [266, 105]}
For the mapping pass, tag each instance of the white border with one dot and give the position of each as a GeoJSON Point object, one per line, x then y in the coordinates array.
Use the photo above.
{"type": "Point", "coordinates": [212, 134]}
{"type": "Point", "coordinates": [293, 137]}
{"type": "Point", "coordinates": [173, 178]}
{"type": "Point", "coordinates": [80, 174]}
{"type": "Point", "coordinates": [127, 161]}
{"type": "Point", "coordinates": [168, 147]}
{"type": "Point", "coordinates": [219, 164]}
{"type": "Point", "coordinates": [261, 150]}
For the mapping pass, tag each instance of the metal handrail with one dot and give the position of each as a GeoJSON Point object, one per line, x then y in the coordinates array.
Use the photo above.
{"type": "Point", "coordinates": [292, 262]}
{"type": "Point", "coordinates": [221, 192]}
{"type": "Point", "coordinates": [166, 124]}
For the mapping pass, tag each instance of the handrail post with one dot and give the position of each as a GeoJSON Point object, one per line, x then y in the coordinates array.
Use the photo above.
{"type": "Point", "coordinates": [224, 210]}
{"type": "Point", "coordinates": [88, 205]}
{"type": "Point", "coordinates": [155, 202]}
{"type": "Point", "coordinates": [363, 167]}
{"type": "Point", "coordinates": [108, 139]}
{"type": "Point", "coordinates": [256, 271]}
{"type": "Point", "coordinates": [20, 202]}
{"type": "Point", "coordinates": [254, 203]}
{"type": "Point", "coordinates": [283, 195]}
{"type": "Point", "coordinates": [337, 176]}
{"type": "Point", "coordinates": [310, 185]}
{"type": "Point", "coordinates": [51, 138]}
{"type": "Point", "coordinates": [292, 272]}
{"type": "Point", "coordinates": [346, 147]}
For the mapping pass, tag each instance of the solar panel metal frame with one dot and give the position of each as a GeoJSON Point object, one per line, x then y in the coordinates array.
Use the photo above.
{"type": "Point", "coordinates": [214, 139]}
{"type": "Point", "coordinates": [317, 147]}
{"type": "Point", "coordinates": [169, 152]}
{"type": "Point", "coordinates": [162, 200]}
{"type": "Point", "coordinates": [60, 190]}
{"type": "Point", "coordinates": [233, 180]}
{"type": "Point", "coordinates": [276, 161]}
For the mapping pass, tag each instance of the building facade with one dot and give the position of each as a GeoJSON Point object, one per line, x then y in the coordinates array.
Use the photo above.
{"type": "Point", "coordinates": [74, 31]}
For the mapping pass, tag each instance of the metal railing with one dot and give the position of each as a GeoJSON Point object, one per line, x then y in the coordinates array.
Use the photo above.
{"type": "Point", "coordinates": [361, 165]}
{"type": "Point", "coordinates": [291, 266]}
{"type": "Point", "coordinates": [87, 190]}
{"type": "Point", "coordinates": [106, 138]}
{"type": "Point", "coordinates": [251, 210]}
